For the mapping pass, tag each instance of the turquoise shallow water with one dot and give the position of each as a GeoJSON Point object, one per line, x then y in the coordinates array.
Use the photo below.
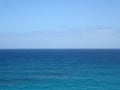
{"type": "Point", "coordinates": [60, 69]}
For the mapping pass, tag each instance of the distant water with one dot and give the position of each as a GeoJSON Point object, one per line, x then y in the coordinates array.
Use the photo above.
{"type": "Point", "coordinates": [60, 69]}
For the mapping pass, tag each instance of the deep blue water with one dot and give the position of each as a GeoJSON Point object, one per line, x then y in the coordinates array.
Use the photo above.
{"type": "Point", "coordinates": [57, 69]}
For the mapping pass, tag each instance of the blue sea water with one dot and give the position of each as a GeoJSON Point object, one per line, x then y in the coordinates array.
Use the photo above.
{"type": "Point", "coordinates": [60, 69]}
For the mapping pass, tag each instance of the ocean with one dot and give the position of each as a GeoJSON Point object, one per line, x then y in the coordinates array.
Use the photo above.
{"type": "Point", "coordinates": [59, 69]}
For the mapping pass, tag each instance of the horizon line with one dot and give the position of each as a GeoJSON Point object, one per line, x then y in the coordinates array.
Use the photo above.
{"type": "Point", "coordinates": [53, 48]}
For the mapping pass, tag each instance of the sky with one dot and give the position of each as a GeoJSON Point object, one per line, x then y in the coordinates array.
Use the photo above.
{"type": "Point", "coordinates": [59, 24]}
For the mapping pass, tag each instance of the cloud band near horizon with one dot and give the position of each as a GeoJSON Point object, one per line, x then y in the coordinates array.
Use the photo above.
{"type": "Point", "coordinates": [99, 38]}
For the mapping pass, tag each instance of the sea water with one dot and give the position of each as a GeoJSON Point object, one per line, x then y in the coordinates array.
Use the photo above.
{"type": "Point", "coordinates": [60, 69]}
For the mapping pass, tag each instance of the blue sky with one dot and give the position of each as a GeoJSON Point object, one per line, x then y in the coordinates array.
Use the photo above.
{"type": "Point", "coordinates": [59, 23]}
